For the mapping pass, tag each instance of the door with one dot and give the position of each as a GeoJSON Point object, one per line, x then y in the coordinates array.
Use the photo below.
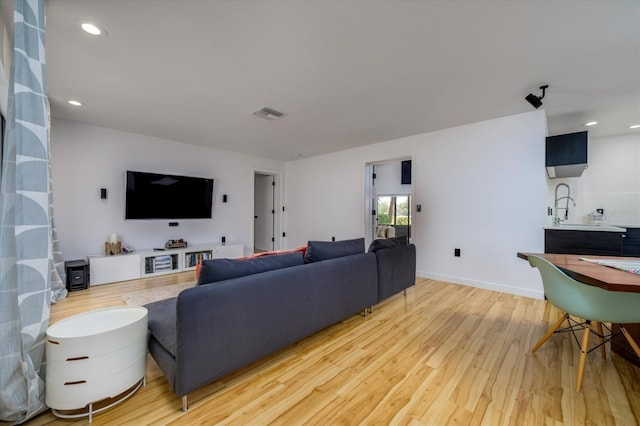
{"type": "Point", "coordinates": [264, 212]}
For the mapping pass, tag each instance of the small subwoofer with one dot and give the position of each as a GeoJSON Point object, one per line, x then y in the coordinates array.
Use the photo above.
{"type": "Point", "coordinates": [77, 275]}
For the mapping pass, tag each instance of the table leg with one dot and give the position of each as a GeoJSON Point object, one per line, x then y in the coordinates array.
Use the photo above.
{"type": "Point", "coordinates": [620, 345]}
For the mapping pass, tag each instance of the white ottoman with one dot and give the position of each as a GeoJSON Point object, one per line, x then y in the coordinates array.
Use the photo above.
{"type": "Point", "coordinates": [94, 356]}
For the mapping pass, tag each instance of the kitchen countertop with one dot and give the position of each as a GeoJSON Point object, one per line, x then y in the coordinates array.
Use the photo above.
{"type": "Point", "coordinates": [585, 227]}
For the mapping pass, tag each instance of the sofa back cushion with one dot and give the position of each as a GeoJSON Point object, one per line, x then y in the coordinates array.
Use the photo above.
{"type": "Point", "coordinates": [215, 270]}
{"type": "Point", "coordinates": [324, 250]}
{"type": "Point", "coordinates": [380, 244]}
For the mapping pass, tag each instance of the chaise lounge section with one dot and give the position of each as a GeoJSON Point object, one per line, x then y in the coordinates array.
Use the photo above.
{"type": "Point", "coordinates": [232, 319]}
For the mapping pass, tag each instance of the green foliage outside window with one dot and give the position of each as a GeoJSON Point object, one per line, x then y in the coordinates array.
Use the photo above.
{"type": "Point", "coordinates": [393, 210]}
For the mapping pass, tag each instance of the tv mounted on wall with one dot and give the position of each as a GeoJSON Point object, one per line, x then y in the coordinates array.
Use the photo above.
{"type": "Point", "coordinates": [162, 196]}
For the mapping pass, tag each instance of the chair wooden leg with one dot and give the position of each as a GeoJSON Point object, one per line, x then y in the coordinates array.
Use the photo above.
{"type": "Point", "coordinates": [550, 332]}
{"type": "Point", "coordinates": [584, 348]}
{"type": "Point", "coordinates": [632, 342]}
{"type": "Point", "coordinates": [603, 352]}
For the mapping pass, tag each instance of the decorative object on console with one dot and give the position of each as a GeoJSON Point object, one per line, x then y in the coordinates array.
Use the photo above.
{"type": "Point", "coordinates": [173, 244]}
{"type": "Point", "coordinates": [112, 246]}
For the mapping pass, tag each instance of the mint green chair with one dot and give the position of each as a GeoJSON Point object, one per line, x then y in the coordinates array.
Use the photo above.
{"type": "Point", "coordinates": [591, 303]}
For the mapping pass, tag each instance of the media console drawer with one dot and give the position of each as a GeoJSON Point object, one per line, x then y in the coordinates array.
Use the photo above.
{"type": "Point", "coordinates": [111, 269]}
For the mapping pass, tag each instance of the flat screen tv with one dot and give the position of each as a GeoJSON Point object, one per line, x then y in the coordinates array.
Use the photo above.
{"type": "Point", "coordinates": [162, 196]}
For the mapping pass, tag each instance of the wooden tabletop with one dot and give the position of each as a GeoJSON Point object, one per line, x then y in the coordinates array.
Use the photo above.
{"type": "Point", "coordinates": [590, 273]}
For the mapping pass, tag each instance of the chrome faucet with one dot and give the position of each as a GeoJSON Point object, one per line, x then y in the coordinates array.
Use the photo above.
{"type": "Point", "coordinates": [566, 208]}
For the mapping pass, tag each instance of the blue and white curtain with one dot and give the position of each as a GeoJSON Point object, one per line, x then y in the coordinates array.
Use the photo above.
{"type": "Point", "coordinates": [28, 282]}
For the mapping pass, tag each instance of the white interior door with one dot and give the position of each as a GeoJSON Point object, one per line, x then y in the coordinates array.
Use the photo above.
{"type": "Point", "coordinates": [264, 212]}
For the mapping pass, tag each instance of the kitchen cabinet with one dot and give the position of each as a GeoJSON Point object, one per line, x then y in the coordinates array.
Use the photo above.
{"type": "Point", "coordinates": [631, 243]}
{"type": "Point", "coordinates": [567, 241]}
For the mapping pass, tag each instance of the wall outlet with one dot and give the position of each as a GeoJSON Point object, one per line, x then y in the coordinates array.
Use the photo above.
{"type": "Point", "coordinates": [456, 252]}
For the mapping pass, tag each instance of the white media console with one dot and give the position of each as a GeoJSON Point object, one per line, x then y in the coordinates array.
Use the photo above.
{"type": "Point", "coordinates": [148, 263]}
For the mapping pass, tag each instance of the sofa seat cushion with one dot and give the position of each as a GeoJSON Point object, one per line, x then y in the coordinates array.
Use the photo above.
{"type": "Point", "coordinates": [162, 323]}
{"type": "Point", "coordinates": [325, 250]}
{"type": "Point", "coordinates": [215, 270]}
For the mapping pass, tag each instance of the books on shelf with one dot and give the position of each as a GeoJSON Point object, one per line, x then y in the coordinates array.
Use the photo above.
{"type": "Point", "coordinates": [165, 262]}
{"type": "Point", "coordinates": [193, 259]}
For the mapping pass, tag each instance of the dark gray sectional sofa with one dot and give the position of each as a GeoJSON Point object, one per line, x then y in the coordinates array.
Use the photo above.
{"type": "Point", "coordinates": [244, 310]}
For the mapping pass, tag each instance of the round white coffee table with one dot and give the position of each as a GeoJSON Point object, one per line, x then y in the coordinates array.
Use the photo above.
{"type": "Point", "coordinates": [94, 356]}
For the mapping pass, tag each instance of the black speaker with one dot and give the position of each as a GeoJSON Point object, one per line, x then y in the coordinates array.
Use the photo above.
{"type": "Point", "coordinates": [103, 193]}
{"type": "Point", "coordinates": [77, 275]}
{"type": "Point", "coordinates": [224, 198]}
{"type": "Point", "coordinates": [224, 240]}
{"type": "Point", "coordinates": [533, 100]}
{"type": "Point", "coordinates": [406, 172]}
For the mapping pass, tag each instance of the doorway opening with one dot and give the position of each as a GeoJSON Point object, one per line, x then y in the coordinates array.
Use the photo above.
{"type": "Point", "coordinates": [266, 196]}
{"type": "Point", "coordinates": [388, 199]}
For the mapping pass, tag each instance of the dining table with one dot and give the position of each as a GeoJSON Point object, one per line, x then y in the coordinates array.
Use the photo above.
{"type": "Point", "coordinates": [606, 277]}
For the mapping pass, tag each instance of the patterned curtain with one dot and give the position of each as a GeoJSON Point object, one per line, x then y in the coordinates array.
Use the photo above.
{"type": "Point", "coordinates": [26, 253]}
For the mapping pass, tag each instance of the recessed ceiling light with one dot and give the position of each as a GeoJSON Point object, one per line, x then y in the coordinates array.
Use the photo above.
{"type": "Point", "coordinates": [75, 103]}
{"type": "Point", "coordinates": [93, 29]}
{"type": "Point", "coordinates": [635, 126]}
{"type": "Point", "coordinates": [591, 123]}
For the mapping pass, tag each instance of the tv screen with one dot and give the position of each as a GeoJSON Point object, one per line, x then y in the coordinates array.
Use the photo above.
{"type": "Point", "coordinates": [161, 196]}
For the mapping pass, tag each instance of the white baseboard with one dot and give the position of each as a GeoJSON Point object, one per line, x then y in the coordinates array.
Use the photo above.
{"type": "Point", "coordinates": [536, 294]}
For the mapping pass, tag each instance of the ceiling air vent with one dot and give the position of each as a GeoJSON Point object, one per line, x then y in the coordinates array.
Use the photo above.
{"type": "Point", "coordinates": [268, 113]}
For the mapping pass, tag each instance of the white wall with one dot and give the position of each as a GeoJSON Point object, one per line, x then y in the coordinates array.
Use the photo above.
{"type": "Point", "coordinates": [482, 188]}
{"type": "Point", "coordinates": [611, 182]}
{"type": "Point", "coordinates": [388, 179]}
{"type": "Point", "coordinates": [86, 158]}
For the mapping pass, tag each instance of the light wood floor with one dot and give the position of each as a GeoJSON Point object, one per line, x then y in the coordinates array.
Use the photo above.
{"type": "Point", "coordinates": [442, 354]}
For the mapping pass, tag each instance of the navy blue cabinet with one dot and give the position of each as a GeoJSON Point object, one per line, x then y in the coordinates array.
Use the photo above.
{"type": "Point", "coordinates": [598, 243]}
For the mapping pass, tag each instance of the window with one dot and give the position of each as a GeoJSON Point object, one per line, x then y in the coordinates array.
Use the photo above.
{"type": "Point", "coordinates": [394, 210]}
